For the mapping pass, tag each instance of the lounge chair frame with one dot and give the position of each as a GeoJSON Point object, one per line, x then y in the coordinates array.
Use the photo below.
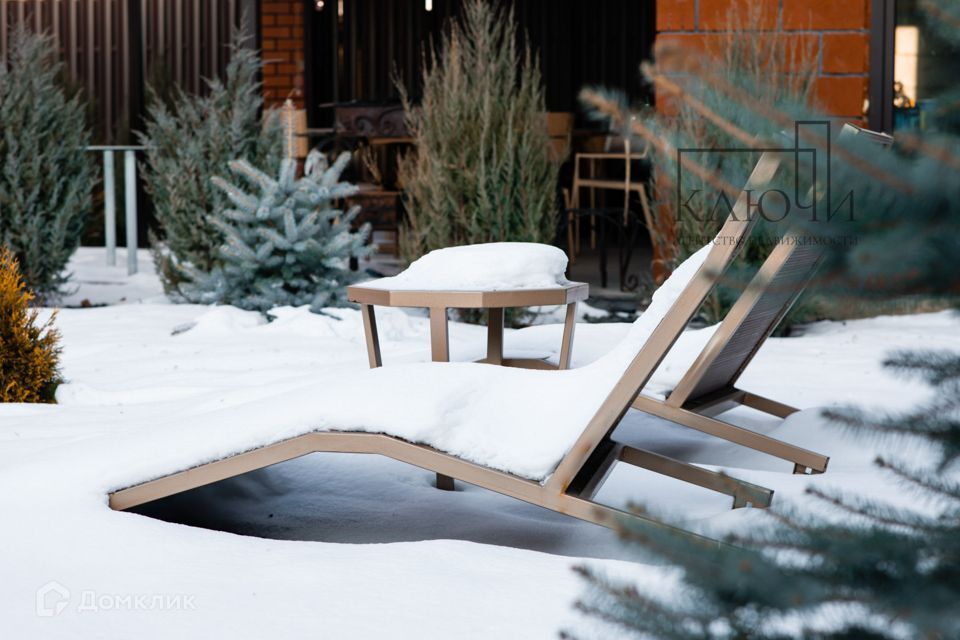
{"type": "Point", "coordinates": [570, 489]}
{"type": "Point", "coordinates": [709, 386]}
{"type": "Point", "coordinates": [576, 503]}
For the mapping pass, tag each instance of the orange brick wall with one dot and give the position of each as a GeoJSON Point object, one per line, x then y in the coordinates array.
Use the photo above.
{"type": "Point", "coordinates": [281, 39]}
{"type": "Point", "coordinates": [838, 30]}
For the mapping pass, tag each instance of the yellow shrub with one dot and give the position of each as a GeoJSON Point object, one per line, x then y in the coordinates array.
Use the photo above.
{"type": "Point", "coordinates": [29, 351]}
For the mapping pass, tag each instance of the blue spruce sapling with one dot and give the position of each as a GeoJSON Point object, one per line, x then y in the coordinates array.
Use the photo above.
{"type": "Point", "coordinates": [287, 244]}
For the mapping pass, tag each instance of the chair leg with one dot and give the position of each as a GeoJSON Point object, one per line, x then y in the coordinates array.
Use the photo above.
{"type": "Point", "coordinates": [802, 470]}
{"type": "Point", "coordinates": [440, 352]}
{"type": "Point", "coordinates": [766, 405]}
{"type": "Point", "coordinates": [593, 205]}
{"type": "Point", "coordinates": [744, 494]}
{"type": "Point", "coordinates": [738, 435]}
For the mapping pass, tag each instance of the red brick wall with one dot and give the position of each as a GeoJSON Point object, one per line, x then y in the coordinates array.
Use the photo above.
{"type": "Point", "coordinates": [837, 30]}
{"type": "Point", "coordinates": [281, 39]}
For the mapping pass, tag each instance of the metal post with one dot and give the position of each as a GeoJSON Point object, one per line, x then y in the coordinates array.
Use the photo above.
{"type": "Point", "coordinates": [130, 207]}
{"type": "Point", "coordinates": [109, 208]}
{"type": "Point", "coordinates": [882, 32]}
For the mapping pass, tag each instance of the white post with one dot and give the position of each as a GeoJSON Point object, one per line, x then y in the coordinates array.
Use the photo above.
{"type": "Point", "coordinates": [109, 208]}
{"type": "Point", "coordinates": [130, 207]}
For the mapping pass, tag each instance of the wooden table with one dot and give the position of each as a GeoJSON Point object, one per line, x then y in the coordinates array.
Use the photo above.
{"type": "Point", "coordinates": [493, 301]}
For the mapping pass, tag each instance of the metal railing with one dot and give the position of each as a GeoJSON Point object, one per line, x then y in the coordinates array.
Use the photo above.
{"type": "Point", "coordinates": [129, 201]}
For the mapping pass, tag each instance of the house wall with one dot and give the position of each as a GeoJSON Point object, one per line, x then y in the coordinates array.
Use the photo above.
{"type": "Point", "coordinates": [282, 44]}
{"type": "Point", "coordinates": [838, 31]}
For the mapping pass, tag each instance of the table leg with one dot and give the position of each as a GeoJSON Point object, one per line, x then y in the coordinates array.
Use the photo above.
{"type": "Point", "coordinates": [495, 336]}
{"type": "Point", "coordinates": [566, 347]}
{"type": "Point", "coordinates": [370, 333]}
{"type": "Point", "coordinates": [440, 352]}
{"type": "Point", "coordinates": [439, 335]}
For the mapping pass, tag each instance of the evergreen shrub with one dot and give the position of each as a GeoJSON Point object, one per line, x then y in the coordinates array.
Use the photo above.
{"type": "Point", "coordinates": [29, 349]}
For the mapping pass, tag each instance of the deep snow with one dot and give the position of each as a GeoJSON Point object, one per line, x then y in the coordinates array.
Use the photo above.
{"type": "Point", "coordinates": [462, 564]}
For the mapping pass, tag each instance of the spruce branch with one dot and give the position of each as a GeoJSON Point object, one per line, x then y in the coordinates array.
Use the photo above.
{"type": "Point", "coordinates": [921, 480]}
{"type": "Point", "coordinates": [874, 511]}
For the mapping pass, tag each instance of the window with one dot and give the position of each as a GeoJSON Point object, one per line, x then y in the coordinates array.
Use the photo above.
{"type": "Point", "coordinates": [911, 66]}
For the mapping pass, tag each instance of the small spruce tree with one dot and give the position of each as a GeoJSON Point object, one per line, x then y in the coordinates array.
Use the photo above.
{"type": "Point", "coordinates": [46, 175]}
{"type": "Point", "coordinates": [481, 169]}
{"type": "Point", "coordinates": [29, 350]}
{"type": "Point", "coordinates": [188, 139]}
{"type": "Point", "coordinates": [286, 245]}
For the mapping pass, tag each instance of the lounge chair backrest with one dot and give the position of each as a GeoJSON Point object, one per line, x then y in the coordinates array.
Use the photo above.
{"type": "Point", "coordinates": [767, 299]}
{"type": "Point", "coordinates": [754, 316]}
{"type": "Point", "coordinates": [730, 240]}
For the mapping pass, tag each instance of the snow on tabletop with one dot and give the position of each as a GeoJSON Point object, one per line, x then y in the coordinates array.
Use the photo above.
{"type": "Point", "coordinates": [495, 266]}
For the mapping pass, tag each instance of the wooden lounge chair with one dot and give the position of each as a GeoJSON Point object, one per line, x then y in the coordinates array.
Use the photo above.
{"type": "Point", "coordinates": [709, 386]}
{"type": "Point", "coordinates": [571, 487]}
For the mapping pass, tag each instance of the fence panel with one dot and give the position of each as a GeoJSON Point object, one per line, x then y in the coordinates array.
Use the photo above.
{"type": "Point", "coordinates": [112, 48]}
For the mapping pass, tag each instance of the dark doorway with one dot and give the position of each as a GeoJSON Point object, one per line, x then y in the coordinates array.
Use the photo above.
{"type": "Point", "coordinates": [354, 46]}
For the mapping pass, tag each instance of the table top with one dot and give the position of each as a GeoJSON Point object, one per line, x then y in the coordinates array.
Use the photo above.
{"type": "Point", "coordinates": [561, 294]}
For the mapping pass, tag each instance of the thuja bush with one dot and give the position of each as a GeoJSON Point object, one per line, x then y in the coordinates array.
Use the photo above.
{"type": "Point", "coordinates": [29, 349]}
{"type": "Point", "coordinates": [189, 139]}
{"type": "Point", "coordinates": [46, 175]}
{"type": "Point", "coordinates": [481, 169]}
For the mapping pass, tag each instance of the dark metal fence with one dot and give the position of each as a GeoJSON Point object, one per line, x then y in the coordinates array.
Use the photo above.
{"type": "Point", "coordinates": [113, 48]}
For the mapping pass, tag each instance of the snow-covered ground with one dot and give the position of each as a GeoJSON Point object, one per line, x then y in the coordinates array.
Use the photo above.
{"type": "Point", "coordinates": [340, 546]}
{"type": "Point", "coordinates": [94, 282]}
